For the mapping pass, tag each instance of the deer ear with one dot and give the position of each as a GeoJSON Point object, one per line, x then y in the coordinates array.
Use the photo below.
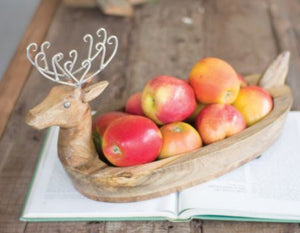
{"type": "Point", "coordinates": [91, 92]}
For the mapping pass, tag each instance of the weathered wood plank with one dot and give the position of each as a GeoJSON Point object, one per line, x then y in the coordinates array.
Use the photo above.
{"type": "Point", "coordinates": [138, 2]}
{"type": "Point", "coordinates": [66, 227]}
{"type": "Point", "coordinates": [80, 3]}
{"type": "Point", "coordinates": [117, 227]}
{"type": "Point", "coordinates": [18, 70]}
{"type": "Point", "coordinates": [134, 227]}
{"type": "Point", "coordinates": [285, 21]}
{"type": "Point", "coordinates": [240, 32]}
{"type": "Point", "coordinates": [93, 3]}
{"type": "Point", "coordinates": [153, 227]}
{"type": "Point", "coordinates": [246, 227]}
{"type": "Point", "coordinates": [116, 7]}
{"type": "Point", "coordinates": [163, 43]}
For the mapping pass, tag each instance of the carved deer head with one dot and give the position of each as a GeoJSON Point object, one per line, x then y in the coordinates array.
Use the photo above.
{"type": "Point", "coordinates": [67, 104]}
{"type": "Point", "coordinates": [64, 106]}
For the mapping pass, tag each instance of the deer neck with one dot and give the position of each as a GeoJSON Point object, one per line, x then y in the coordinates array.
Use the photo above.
{"type": "Point", "coordinates": [75, 145]}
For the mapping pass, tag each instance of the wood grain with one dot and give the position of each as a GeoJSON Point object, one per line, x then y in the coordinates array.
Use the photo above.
{"type": "Point", "coordinates": [116, 7]}
{"type": "Point", "coordinates": [161, 43]}
{"type": "Point", "coordinates": [18, 70]}
{"type": "Point", "coordinates": [244, 227]}
{"type": "Point", "coordinates": [285, 33]}
{"type": "Point", "coordinates": [117, 227]}
{"type": "Point", "coordinates": [239, 32]}
{"type": "Point", "coordinates": [80, 3]}
{"type": "Point", "coordinates": [93, 3]}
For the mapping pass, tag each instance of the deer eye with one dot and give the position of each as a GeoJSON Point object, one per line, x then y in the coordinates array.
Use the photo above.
{"type": "Point", "coordinates": [67, 104]}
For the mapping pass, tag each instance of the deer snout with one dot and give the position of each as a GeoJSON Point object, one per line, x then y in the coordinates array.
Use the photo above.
{"type": "Point", "coordinates": [33, 121]}
{"type": "Point", "coordinates": [38, 118]}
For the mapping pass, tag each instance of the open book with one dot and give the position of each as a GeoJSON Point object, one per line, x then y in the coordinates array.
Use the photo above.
{"type": "Point", "coordinates": [265, 189]}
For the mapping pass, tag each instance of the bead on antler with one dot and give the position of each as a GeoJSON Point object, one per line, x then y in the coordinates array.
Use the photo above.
{"type": "Point", "coordinates": [67, 74]}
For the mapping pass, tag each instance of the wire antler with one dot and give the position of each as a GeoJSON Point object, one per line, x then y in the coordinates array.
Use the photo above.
{"type": "Point", "coordinates": [67, 74]}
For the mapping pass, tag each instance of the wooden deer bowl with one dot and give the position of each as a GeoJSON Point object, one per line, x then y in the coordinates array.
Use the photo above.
{"type": "Point", "coordinates": [96, 180]}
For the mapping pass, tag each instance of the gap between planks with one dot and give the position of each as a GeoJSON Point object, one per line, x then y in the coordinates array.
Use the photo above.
{"type": "Point", "coordinates": [19, 68]}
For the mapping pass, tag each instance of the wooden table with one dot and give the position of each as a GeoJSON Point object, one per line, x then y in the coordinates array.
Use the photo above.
{"type": "Point", "coordinates": [157, 40]}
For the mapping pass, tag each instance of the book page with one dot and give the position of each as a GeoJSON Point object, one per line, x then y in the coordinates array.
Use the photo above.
{"type": "Point", "coordinates": [52, 195]}
{"type": "Point", "coordinates": [267, 187]}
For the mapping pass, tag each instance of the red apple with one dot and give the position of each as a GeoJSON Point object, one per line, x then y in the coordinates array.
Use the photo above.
{"type": "Point", "coordinates": [214, 81]}
{"type": "Point", "coordinates": [131, 140]}
{"type": "Point", "coordinates": [167, 99]}
{"type": "Point", "coordinates": [102, 121]}
{"type": "Point", "coordinates": [218, 121]}
{"type": "Point", "coordinates": [134, 104]}
{"type": "Point", "coordinates": [178, 137]}
{"type": "Point", "coordinates": [254, 103]}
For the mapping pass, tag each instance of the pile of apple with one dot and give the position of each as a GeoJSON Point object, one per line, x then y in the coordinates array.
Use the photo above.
{"type": "Point", "coordinates": [173, 116]}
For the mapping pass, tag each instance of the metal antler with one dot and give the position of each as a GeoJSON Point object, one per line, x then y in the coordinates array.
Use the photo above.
{"type": "Point", "coordinates": [67, 74]}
